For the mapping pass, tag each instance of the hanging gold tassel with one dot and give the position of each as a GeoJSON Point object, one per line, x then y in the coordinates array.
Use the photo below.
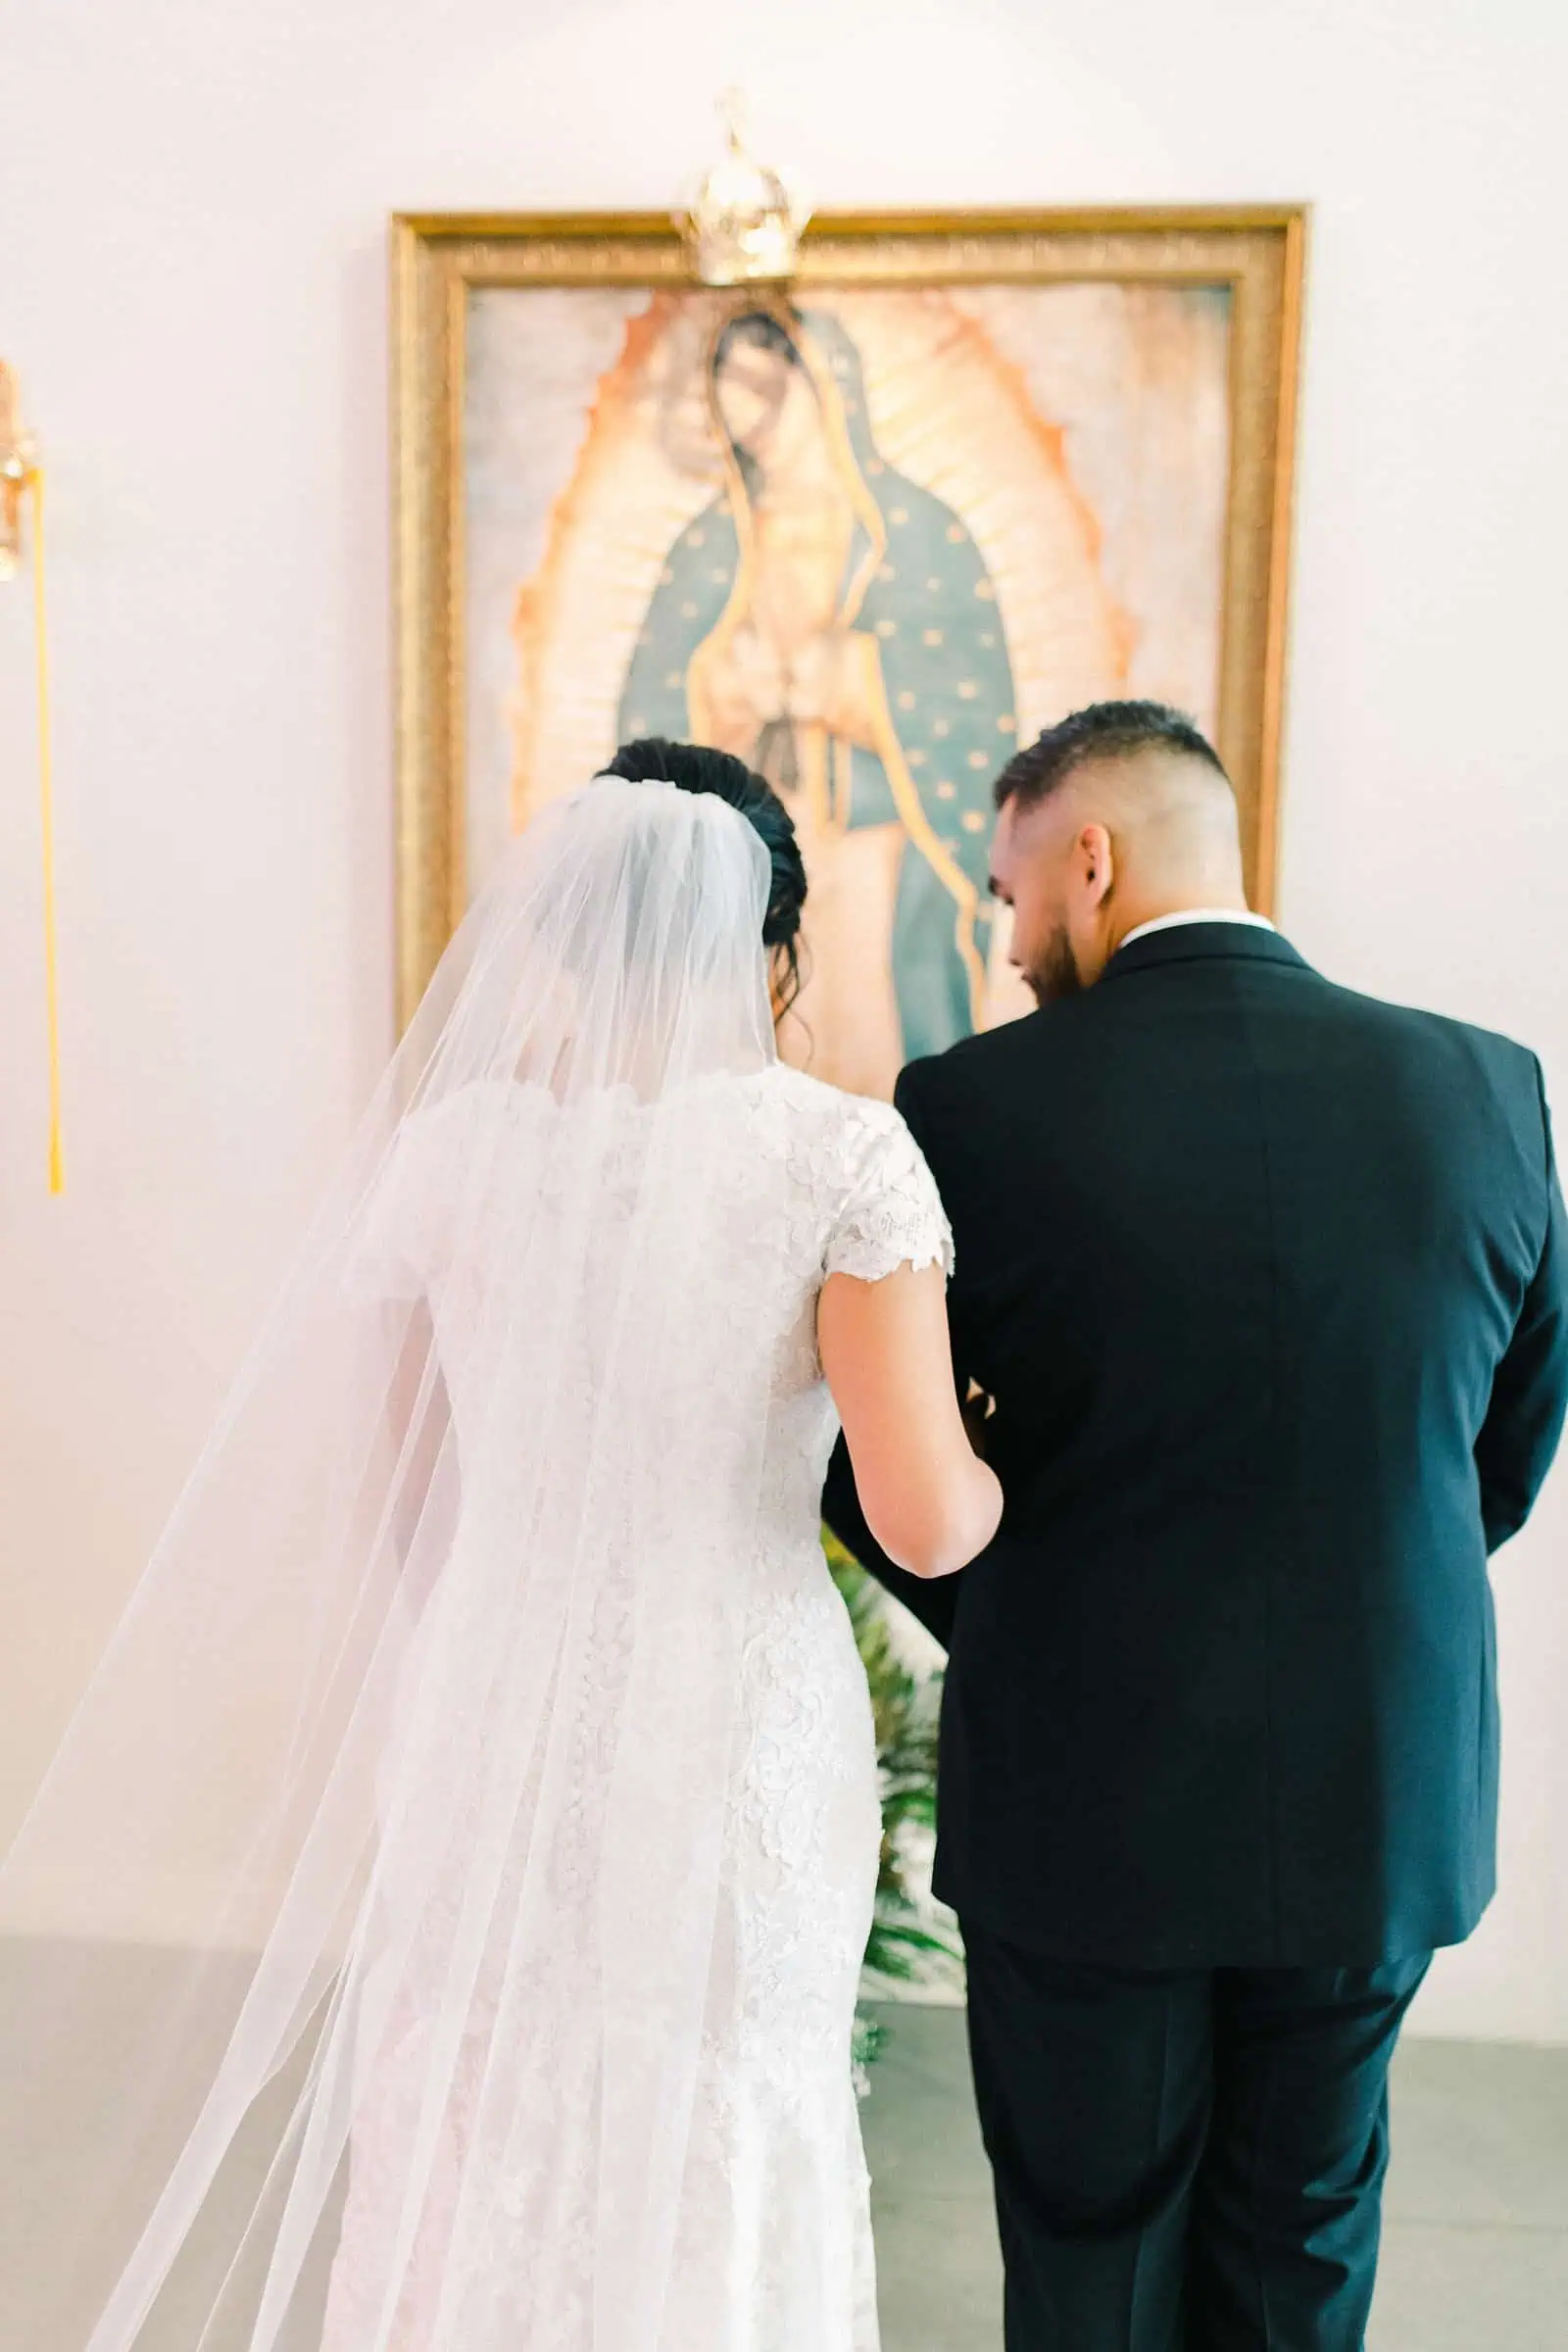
{"type": "Point", "coordinates": [46, 812]}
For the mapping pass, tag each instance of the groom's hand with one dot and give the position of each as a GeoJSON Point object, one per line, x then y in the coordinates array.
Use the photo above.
{"type": "Point", "coordinates": [977, 1409]}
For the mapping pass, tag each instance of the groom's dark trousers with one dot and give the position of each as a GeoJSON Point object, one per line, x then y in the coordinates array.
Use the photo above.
{"type": "Point", "coordinates": [1268, 1282]}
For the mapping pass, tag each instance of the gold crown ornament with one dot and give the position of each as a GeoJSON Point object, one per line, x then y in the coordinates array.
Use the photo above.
{"type": "Point", "coordinates": [744, 224]}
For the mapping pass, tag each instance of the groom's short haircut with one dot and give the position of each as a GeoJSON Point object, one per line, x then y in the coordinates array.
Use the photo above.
{"type": "Point", "coordinates": [1103, 731]}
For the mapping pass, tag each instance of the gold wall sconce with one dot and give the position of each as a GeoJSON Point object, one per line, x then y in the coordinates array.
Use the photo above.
{"type": "Point", "coordinates": [19, 463]}
{"type": "Point", "coordinates": [22, 487]}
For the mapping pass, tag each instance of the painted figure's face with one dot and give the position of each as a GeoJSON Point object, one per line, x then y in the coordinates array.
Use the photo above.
{"type": "Point", "coordinates": [752, 383]}
{"type": "Point", "coordinates": [766, 402]}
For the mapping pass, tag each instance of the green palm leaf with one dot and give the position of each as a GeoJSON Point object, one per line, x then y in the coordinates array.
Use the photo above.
{"type": "Point", "coordinates": [910, 1940]}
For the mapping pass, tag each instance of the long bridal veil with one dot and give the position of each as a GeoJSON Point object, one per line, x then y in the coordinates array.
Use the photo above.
{"type": "Point", "coordinates": [378, 1872]}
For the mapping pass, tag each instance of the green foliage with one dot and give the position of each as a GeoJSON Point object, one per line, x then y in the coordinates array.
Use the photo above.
{"type": "Point", "coordinates": [910, 1940]}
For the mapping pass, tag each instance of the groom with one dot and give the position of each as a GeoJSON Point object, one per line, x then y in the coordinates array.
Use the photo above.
{"type": "Point", "coordinates": [1268, 1284]}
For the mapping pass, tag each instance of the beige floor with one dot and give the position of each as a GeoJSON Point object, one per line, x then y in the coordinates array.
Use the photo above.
{"type": "Point", "coordinates": [1475, 2241]}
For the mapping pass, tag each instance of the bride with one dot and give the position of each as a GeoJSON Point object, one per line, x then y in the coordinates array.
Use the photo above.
{"type": "Point", "coordinates": [439, 1929]}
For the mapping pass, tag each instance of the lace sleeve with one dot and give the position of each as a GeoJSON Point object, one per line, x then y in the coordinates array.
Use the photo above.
{"type": "Point", "coordinates": [890, 1213]}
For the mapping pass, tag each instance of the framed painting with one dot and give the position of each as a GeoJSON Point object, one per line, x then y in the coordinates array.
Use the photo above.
{"type": "Point", "coordinates": [871, 530]}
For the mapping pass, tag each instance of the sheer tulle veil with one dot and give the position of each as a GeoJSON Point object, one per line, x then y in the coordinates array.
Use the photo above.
{"type": "Point", "coordinates": [474, 1506]}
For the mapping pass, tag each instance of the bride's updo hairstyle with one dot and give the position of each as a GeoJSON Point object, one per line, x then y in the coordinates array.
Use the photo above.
{"type": "Point", "coordinates": [694, 768]}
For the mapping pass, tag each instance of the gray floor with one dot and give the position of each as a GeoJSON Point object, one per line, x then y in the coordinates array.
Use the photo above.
{"type": "Point", "coordinates": [1476, 2239]}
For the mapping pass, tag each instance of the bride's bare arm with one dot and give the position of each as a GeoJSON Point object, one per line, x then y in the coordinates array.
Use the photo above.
{"type": "Point", "coordinates": [424, 1498]}
{"type": "Point", "coordinates": [928, 1499]}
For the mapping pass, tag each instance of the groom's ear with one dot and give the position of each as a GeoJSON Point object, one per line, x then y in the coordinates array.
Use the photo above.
{"type": "Point", "coordinates": [1096, 862]}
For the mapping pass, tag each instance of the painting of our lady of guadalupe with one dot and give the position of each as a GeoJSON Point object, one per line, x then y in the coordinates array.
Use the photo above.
{"type": "Point", "coordinates": [835, 625]}
{"type": "Point", "coordinates": [867, 539]}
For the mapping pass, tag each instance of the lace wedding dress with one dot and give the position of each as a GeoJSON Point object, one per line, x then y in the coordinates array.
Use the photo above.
{"type": "Point", "coordinates": [438, 1929]}
{"type": "Point", "coordinates": [774, 2245]}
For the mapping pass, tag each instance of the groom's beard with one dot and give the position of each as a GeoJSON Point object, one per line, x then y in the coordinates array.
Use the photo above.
{"type": "Point", "coordinates": [1056, 974]}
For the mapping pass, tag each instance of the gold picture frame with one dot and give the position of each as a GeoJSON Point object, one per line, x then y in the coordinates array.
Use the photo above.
{"type": "Point", "coordinates": [441, 260]}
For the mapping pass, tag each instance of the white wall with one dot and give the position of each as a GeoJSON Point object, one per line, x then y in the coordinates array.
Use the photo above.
{"type": "Point", "coordinates": [192, 215]}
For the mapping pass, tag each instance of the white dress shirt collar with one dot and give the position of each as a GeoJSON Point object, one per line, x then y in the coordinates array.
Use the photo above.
{"type": "Point", "coordinates": [1197, 914]}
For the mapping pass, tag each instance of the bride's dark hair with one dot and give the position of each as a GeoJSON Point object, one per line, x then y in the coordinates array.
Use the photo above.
{"type": "Point", "coordinates": [694, 768]}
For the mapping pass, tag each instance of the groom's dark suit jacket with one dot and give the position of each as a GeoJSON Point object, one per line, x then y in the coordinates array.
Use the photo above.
{"type": "Point", "coordinates": [1268, 1282]}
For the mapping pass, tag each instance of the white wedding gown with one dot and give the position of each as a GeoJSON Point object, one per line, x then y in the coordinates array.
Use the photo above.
{"type": "Point", "coordinates": [771, 2248]}
{"type": "Point", "coordinates": [482, 1774]}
